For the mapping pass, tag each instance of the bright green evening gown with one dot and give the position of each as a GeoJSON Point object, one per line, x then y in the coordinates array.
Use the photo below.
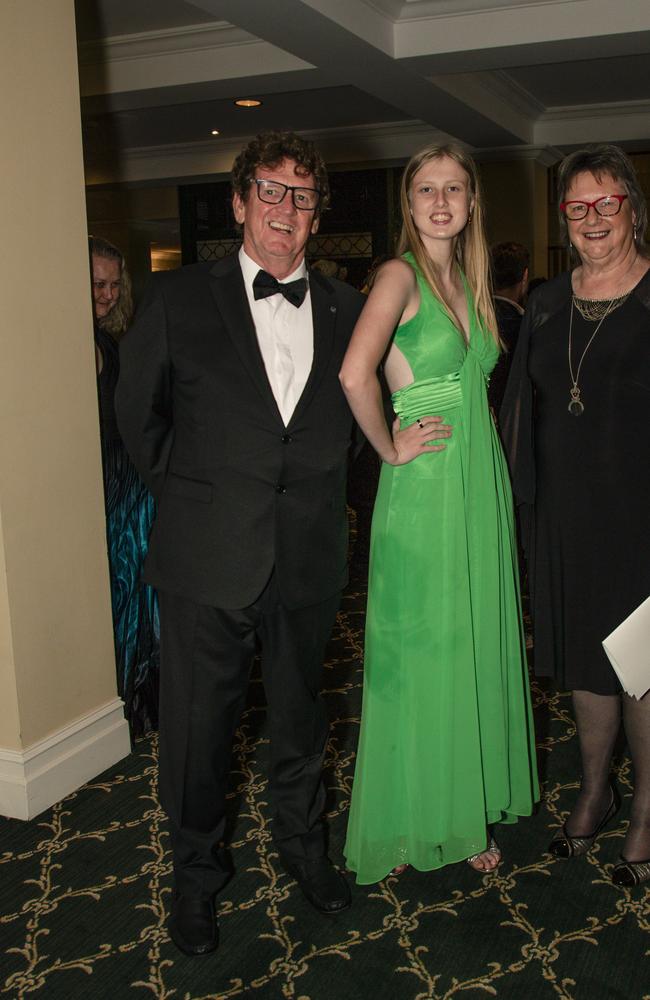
{"type": "Point", "coordinates": [446, 743]}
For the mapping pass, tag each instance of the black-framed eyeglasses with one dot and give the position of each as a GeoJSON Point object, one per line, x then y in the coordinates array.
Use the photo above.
{"type": "Point", "coordinates": [273, 192]}
{"type": "Point", "coordinates": [609, 204]}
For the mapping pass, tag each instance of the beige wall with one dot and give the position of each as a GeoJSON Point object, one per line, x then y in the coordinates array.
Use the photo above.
{"type": "Point", "coordinates": [56, 650]}
{"type": "Point", "coordinates": [516, 199]}
{"type": "Point", "coordinates": [9, 717]}
{"type": "Point", "coordinates": [539, 250]}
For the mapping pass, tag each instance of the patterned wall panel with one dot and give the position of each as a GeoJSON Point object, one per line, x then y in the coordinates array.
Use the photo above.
{"type": "Point", "coordinates": [332, 246]}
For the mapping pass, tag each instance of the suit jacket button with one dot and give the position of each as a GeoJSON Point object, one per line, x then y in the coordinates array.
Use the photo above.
{"type": "Point", "coordinates": [286, 439]}
{"type": "Point", "coordinates": [280, 488]}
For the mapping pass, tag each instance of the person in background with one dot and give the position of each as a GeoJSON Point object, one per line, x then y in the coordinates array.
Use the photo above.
{"type": "Point", "coordinates": [330, 269]}
{"type": "Point", "coordinates": [575, 421]}
{"type": "Point", "coordinates": [230, 404]}
{"type": "Point", "coordinates": [129, 506]}
{"type": "Point", "coordinates": [369, 279]}
{"type": "Point", "coordinates": [509, 268]}
{"type": "Point", "coordinates": [446, 747]}
{"type": "Point", "coordinates": [535, 283]}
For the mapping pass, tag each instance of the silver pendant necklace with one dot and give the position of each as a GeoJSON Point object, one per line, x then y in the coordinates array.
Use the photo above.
{"type": "Point", "coordinates": [576, 406]}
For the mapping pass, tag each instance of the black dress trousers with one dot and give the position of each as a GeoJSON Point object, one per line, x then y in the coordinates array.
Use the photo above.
{"type": "Point", "coordinates": [206, 655]}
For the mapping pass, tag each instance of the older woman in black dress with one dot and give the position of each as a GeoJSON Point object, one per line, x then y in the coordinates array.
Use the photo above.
{"type": "Point", "coordinates": [576, 421]}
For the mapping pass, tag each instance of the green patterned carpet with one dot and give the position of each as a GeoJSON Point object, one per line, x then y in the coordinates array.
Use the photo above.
{"type": "Point", "coordinates": [85, 887]}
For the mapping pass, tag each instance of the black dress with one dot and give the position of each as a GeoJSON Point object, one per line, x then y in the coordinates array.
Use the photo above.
{"type": "Point", "coordinates": [130, 511]}
{"type": "Point", "coordinates": [585, 480]}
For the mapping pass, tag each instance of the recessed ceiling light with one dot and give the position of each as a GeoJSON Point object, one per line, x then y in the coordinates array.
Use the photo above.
{"type": "Point", "coordinates": [248, 102]}
{"type": "Point", "coordinates": [215, 131]}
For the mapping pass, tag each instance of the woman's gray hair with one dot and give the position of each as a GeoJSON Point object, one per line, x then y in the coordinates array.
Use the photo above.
{"type": "Point", "coordinates": [118, 320]}
{"type": "Point", "coordinates": [605, 158]}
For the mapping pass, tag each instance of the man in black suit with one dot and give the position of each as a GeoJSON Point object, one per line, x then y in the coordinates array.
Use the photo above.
{"type": "Point", "coordinates": [230, 405]}
{"type": "Point", "coordinates": [509, 266]}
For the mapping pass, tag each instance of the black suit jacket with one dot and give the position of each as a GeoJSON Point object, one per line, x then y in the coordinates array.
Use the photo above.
{"type": "Point", "coordinates": [238, 492]}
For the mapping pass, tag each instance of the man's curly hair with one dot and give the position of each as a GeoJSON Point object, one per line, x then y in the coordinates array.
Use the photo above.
{"type": "Point", "coordinates": [268, 150]}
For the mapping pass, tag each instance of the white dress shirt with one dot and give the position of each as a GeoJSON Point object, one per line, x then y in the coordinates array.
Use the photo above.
{"type": "Point", "coordinates": [285, 335]}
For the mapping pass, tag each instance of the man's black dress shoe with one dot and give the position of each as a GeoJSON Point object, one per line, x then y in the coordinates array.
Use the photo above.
{"type": "Point", "coordinates": [324, 886]}
{"type": "Point", "coordinates": [193, 925]}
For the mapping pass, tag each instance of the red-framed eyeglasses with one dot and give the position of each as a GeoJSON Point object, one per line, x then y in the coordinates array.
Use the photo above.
{"type": "Point", "coordinates": [609, 204]}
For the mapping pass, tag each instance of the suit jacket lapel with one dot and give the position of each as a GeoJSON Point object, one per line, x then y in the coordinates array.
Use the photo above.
{"type": "Point", "coordinates": [229, 292]}
{"type": "Point", "coordinates": [324, 310]}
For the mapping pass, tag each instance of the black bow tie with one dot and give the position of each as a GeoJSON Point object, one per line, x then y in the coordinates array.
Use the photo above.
{"type": "Point", "coordinates": [265, 284]}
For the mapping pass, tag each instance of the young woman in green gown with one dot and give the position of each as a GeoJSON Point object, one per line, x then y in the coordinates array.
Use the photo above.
{"type": "Point", "coordinates": [446, 746]}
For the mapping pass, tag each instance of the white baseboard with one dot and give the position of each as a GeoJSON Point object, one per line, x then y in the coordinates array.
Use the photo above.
{"type": "Point", "coordinates": [36, 778]}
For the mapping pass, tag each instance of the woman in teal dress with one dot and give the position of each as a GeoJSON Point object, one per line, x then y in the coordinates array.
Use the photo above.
{"type": "Point", "coordinates": [447, 746]}
{"type": "Point", "coordinates": [130, 508]}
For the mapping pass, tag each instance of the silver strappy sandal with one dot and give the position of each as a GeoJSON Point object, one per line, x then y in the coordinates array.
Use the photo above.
{"type": "Point", "coordinates": [493, 849]}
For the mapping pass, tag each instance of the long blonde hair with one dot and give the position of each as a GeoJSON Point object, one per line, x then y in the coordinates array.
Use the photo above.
{"type": "Point", "coordinates": [471, 245]}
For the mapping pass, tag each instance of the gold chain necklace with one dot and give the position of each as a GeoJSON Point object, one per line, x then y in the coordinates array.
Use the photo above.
{"type": "Point", "coordinates": [576, 406]}
{"type": "Point", "coordinates": [594, 309]}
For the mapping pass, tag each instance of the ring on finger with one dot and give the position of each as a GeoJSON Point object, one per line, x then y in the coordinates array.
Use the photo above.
{"type": "Point", "coordinates": [419, 423]}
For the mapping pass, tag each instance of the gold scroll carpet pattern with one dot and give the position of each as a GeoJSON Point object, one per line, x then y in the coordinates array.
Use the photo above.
{"type": "Point", "coordinates": [84, 891]}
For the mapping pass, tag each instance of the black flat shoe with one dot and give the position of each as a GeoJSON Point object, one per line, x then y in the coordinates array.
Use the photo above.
{"type": "Point", "coordinates": [192, 924]}
{"type": "Point", "coordinates": [630, 873]}
{"type": "Point", "coordinates": [321, 883]}
{"type": "Point", "coordinates": [565, 846]}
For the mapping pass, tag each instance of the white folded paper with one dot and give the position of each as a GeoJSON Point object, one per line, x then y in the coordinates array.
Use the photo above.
{"type": "Point", "coordinates": [628, 648]}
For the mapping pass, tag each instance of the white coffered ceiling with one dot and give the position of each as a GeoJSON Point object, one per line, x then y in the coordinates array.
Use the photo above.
{"type": "Point", "coordinates": [370, 79]}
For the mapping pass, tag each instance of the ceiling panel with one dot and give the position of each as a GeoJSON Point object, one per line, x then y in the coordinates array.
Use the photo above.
{"type": "Point", "coordinates": [108, 18]}
{"type": "Point", "coordinates": [594, 81]}
{"type": "Point", "coordinates": [530, 76]}
{"type": "Point", "coordinates": [333, 107]}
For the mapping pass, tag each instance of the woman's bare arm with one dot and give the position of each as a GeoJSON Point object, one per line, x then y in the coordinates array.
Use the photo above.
{"type": "Point", "coordinates": [394, 299]}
